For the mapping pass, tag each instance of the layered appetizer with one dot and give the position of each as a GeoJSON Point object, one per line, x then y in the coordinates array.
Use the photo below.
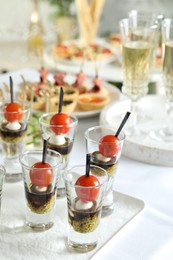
{"type": "Point", "coordinates": [84, 212]}
{"type": "Point", "coordinates": [60, 124]}
{"type": "Point", "coordinates": [40, 196]}
{"type": "Point", "coordinates": [12, 130]}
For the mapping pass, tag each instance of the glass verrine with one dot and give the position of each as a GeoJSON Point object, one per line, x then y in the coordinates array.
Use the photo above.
{"type": "Point", "coordinates": [84, 208]}
{"type": "Point", "coordinates": [138, 43]}
{"type": "Point", "coordinates": [165, 132]}
{"type": "Point", "coordinates": [93, 136]}
{"type": "Point", "coordinates": [40, 186]}
{"type": "Point", "coordinates": [2, 176]}
{"type": "Point", "coordinates": [13, 127]}
{"type": "Point", "coordinates": [61, 141]}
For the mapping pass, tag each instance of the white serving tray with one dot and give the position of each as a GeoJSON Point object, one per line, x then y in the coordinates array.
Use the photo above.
{"type": "Point", "coordinates": [144, 149]}
{"type": "Point", "coordinates": [17, 242]}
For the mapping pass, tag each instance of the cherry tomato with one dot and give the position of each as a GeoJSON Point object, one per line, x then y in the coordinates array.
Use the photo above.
{"type": "Point", "coordinates": [13, 112]}
{"type": "Point", "coordinates": [60, 123]}
{"type": "Point", "coordinates": [41, 174]}
{"type": "Point", "coordinates": [87, 194]}
{"type": "Point", "coordinates": [109, 146]}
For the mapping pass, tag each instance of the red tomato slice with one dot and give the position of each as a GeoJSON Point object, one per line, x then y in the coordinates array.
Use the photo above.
{"type": "Point", "coordinates": [41, 174]}
{"type": "Point", "coordinates": [13, 112]}
{"type": "Point", "coordinates": [109, 146]}
{"type": "Point", "coordinates": [60, 123]}
{"type": "Point", "coordinates": [89, 194]}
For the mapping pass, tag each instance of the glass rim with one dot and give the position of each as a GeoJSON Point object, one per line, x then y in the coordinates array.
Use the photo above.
{"type": "Point", "coordinates": [122, 134]}
{"type": "Point", "coordinates": [74, 122]}
{"type": "Point", "coordinates": [126, 21]}
{"type": "Point", "coordinates": [87, 187]}
{"type": "Point", "coordinates": [26, 152]}
{"type": "Point", "coordinates": [146, 14]}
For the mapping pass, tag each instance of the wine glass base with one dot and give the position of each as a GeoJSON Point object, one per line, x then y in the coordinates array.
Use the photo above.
{"type": "Point", "coordinates": [162, 135]}
{"type": "Point", "coordinates": [135, 133]}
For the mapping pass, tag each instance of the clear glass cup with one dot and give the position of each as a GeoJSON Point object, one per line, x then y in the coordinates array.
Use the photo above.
{"type": "Point", "coordinates": [2, 176]}
{"type": "Point", "coordinates": [165, 132]}
{"type": "Point", "coordinates": [40, 190]}
{"type": "Point", "coordinates": [13, 139]}
{"type": "Point", "coordinates": [84, 213]}
{"type": "Point", "coordinates": [93, 136]}
{"type": "Point", "coordinates": [139, 38]}
{"type": "Point", "coordinates": [62, 143]}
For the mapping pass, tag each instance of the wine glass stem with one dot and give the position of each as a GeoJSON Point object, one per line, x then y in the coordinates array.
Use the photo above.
{"type": "Point", "coordinates": [133, 113]}
{"type": "Point", "coordinates": [169, 110]}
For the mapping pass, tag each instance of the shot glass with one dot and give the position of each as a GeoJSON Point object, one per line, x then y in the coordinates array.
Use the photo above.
{"type": "Point", "coordinates": [84, 208]}
{"type": "Point", "coordinates": [61, 141]}
{"type": "Point", "coordinates": [93, 136]}
{"type": "Point", "coordinates": [2, 175]}
{"type": "Point", "coordinates": [13, 127]}
{"type": "Point", "coordinates": [40, 186]}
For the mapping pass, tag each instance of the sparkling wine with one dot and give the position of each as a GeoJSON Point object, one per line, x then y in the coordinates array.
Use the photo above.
{"type": "Point", "coordinates": [136, 65]}
{"type": "Point", "coordinates": [168, 69]}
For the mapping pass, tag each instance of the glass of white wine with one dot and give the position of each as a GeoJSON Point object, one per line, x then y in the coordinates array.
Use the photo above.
{"type": "Point", "coordinates": [138, 38]}
{"type": "Point", "coordinates": [165, 133]}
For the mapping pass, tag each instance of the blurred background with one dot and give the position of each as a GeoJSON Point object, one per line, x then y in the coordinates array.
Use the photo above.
{"type": "Point", "coordinates": [27, 23]}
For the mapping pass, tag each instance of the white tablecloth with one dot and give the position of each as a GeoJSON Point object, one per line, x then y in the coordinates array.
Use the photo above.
{"type": "Point", "coordinates": [148, 236]}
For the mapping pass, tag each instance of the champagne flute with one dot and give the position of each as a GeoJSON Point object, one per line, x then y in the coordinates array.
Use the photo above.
{"type": "Point", "coordinates": [138, 43]}
{"type": "Point", "coordinates": [165, 133]}
{"type": "Point", "coordinates": [152, 18]}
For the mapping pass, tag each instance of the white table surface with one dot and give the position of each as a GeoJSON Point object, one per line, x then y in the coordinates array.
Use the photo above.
{"type": "Point", "coordinates": [150, 234]}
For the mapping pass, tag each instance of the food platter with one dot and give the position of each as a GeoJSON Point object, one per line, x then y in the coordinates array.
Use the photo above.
{"type": "Point", "coordinates": [53, 59]}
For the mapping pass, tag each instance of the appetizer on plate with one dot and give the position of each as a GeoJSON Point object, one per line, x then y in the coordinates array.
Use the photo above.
{"type": "Point", "coordinates": [89, 102]}
{"type": "Point", "coordinates": [76, 51]}
{"type": "Point", "coordinates": [44, 94]}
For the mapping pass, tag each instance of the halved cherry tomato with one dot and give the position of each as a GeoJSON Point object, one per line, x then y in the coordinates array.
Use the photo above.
{"type": "Point", "coordinates": [106, 51]}
{"type": "Point", "coordinates": [13, 112]}
{"type": "Point", "coordinates": [91, 99]}
{"type": "Point", "coordinates": [59, 123]}
{"type": "Point", "coordinates": [41, 174]}
{"type": "Point", "coordinates": [87, 194]}
{"type": "Point", "coordinates": [109, 146]}
{"type": "Point", "coordinates": [96, 100]}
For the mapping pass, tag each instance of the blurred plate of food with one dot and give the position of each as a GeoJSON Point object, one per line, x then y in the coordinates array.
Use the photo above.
{"type": "Point", "coordinates": [74, 52]}
{"type": "Point", "coordinates": [83, 96]}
